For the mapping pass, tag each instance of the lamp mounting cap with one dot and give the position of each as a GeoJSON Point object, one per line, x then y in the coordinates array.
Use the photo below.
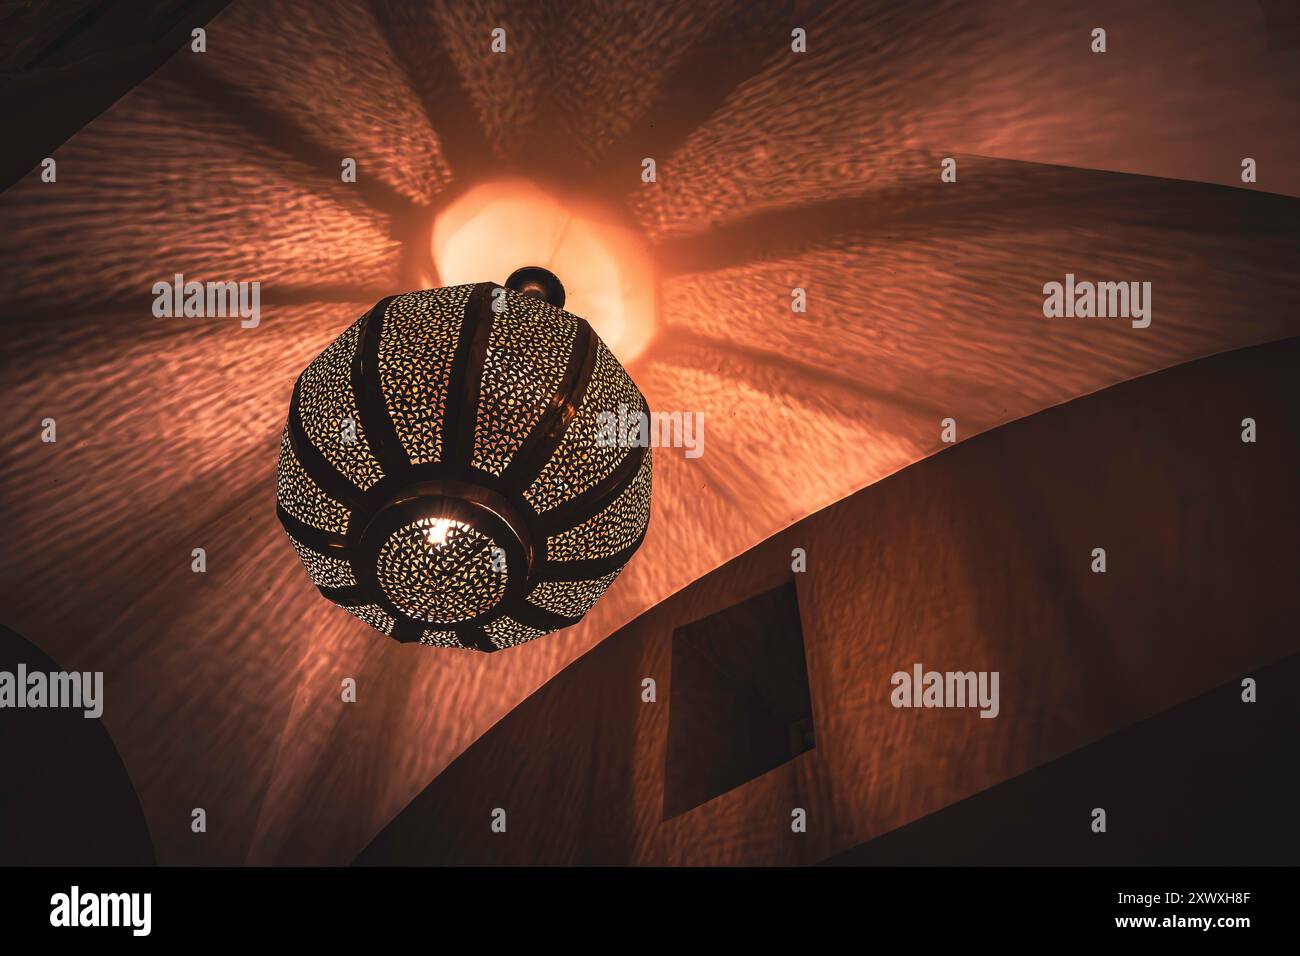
{"type": "Point", "coordinates": [539, 283]}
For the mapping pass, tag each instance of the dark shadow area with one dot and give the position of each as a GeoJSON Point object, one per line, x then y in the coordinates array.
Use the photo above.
{"type": "Point", "coordinates": [1212, 782]}
{"type": "Point", "coordinates": [1281, 23]}
{"type": "Point", "coordinates": [62, 64]}
{"type": "Point", "coordinates": [740, 702]}
{"type": "Point", "coordinates": [65, 797]}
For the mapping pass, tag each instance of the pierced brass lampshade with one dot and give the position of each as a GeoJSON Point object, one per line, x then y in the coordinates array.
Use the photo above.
{"type": "Point", "coordinates": [444, 474]}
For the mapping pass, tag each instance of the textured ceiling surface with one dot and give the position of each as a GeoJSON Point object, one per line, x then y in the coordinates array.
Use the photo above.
{"type": "Point", "coordinates": [980, 556]}
{"type": "Point", "coordinates": [776, 170]}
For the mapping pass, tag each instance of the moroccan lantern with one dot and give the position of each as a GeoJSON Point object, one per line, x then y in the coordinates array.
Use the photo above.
{"type": "Point", "coordinates": [447, 475]}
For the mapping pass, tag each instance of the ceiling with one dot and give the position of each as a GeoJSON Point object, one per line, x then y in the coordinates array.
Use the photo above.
{"type": "Point", "coordinates": [776, 170]}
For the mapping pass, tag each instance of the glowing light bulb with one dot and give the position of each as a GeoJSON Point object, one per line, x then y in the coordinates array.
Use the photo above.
{"type": "Point", "coordinates": [437, 533]}
{"type": "Point", "coordinates": [497, 227]}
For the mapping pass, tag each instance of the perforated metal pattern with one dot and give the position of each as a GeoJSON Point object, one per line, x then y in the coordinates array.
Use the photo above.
{"type": "Point", "coordinates": [302, 497]}
{"type": "Point", "coordinates": [583, 458]}
{"type": "Point", "coordinates": [440, 639]}
{"type": "Point", "coordinates": [616, 526]}
{"type": "Point", "coordinates": [528, 350]}
{"type": "Point", "coordinates": [507, 632]}
{"type": "Point", "coordinates": [324, 571]}
{"type": "Point", "coordinates": [570, 598]}
{"type": "Point", "coordinates": [375, 616]}
{"type": "Point", "coordinates": [328, 411]}
{"type": "Point", "coordinates": [440, 571]}
{"type": "Point", "coordinates": [417, 344]}
{"type": "Point", "coordinates": [438, 580]}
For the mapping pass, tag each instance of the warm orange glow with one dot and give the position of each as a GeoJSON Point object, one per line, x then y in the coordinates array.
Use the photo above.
{"type": "Point", "coordinates": [499, 227]}
{"type": "Point", "coordinates": [819, 171]}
